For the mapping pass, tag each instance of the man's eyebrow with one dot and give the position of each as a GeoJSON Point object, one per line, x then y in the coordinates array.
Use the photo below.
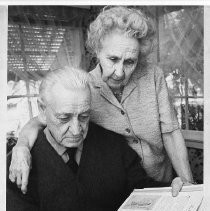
{"type": "Point", "coordinates": [69, 114]}
{"type": "Point", "coordinates": [132, 58]}
{"type": "Point", "coordinates": [64, 114]}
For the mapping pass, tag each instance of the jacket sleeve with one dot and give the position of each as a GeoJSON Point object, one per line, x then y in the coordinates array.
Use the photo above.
{"type": "Point", "coordinates": [15, 199]}
{"type": "Point", "coordinates": [136, 175]}
{"type": "Point", "coordinates": [168, 118]}
{"type": "Point", "coordinates": [16, 202]}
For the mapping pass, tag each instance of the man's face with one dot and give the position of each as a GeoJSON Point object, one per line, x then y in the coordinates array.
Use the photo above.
{"type": "Point", "coordinates": [67, 115]}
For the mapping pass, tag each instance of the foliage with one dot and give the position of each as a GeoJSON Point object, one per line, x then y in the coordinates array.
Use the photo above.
{"type": "Point", "coordinates": [195, 117]}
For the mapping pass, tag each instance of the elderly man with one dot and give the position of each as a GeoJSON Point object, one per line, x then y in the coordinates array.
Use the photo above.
{"type": "Point", "coordinates": [76, 165]}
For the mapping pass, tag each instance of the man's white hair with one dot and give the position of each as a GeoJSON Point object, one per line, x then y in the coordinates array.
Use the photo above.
{"type": "Point", "coordinates": [69, 77]}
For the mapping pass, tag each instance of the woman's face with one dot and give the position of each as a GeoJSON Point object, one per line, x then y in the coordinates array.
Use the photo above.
{"type": "Point", "coordinates": [118, 57]}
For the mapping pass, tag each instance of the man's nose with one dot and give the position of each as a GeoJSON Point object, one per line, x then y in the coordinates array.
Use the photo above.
{"type": "Point", "coordinates": [75, 127]}
{"type": "Point", "coordinates": [119, 70]}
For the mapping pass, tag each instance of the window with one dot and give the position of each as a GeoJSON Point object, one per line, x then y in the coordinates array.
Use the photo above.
{"type": "Point", "coordinates": [181, 57]}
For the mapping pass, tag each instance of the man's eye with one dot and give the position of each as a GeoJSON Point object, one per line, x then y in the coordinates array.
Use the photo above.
{"type": "Point", "coordinates": [83, 118]}
{"type": "Point", "coordinates": [64, 119]}
{"type": "Point", "coordinates": [129, 62]}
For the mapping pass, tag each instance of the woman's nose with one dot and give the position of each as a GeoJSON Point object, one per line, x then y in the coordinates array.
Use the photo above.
{"type": "Point", "coordinates": [119, 70]}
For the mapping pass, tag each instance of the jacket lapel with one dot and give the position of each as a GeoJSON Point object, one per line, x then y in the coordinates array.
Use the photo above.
{"type": "Point", "coordinates": [133, 82]}
{"type": "Point", "coordinates": [105, 91]}
{"type": "Point", "coordinates": [128, 90]}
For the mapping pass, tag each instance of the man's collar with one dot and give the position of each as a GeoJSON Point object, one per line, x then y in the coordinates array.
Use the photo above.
{"type": "Point", "coordinates": [57, 147]}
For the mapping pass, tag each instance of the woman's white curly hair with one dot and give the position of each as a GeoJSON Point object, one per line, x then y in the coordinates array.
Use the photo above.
{"type": "Point", "coordinates": [130, 21]}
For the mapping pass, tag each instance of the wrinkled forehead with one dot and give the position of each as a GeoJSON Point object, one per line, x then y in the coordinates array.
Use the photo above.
{"type": "Point", "coordinates": [64, 100]}
{"type": "Point", "coordinates": [117, 42]}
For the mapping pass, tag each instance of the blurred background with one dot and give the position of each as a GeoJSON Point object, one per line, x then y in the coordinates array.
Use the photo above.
{"type": "Point", "coordinates": [41, 38]}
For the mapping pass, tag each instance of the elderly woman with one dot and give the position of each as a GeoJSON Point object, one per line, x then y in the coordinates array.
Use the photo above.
{"type": "Point", "coordinates": [129, 97]}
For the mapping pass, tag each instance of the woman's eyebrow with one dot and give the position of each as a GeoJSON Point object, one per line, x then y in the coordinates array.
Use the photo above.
{"type": "Point", "coordinates": [85, 112]}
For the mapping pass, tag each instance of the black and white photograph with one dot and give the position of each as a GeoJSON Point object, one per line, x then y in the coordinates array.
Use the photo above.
{"type": "Point", "coordinates": [103, 101]}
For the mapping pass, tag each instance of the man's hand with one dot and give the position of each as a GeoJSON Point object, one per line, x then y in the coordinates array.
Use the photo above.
{"type": "Point", "coordinates": [177, 185]}
{"type": "Point", "coordinates": [20, 167]}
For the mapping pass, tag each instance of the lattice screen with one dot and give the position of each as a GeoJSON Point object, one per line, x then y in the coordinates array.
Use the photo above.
{"type": "Point", "coordinates": [43, 37]}
{"type": "Point", "coordinates": [32, 48]}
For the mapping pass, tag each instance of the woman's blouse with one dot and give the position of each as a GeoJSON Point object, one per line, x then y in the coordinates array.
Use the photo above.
{"type": "Point", "coordinates": [142, 115]}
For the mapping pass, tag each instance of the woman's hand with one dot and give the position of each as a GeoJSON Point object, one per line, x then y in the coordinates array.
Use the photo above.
{"type": "Point", "coordinates": [177, 185]}
{"type": "Point", "coordinates": [20, 167]}
{"type": "Point", "coordinates": [21, 158]}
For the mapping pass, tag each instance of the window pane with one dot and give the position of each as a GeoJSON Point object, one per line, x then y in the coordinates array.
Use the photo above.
{"type": "Point", "coordinates": [18, 113]}
{"type": "Point", "coordinates": [195, 88]}
{"type": "Point", "coordinates": [34, 86]}
{"type": "Point", "coordinates": [18, 107]}
{"type": "Point", "coordinates": [181, 58]}
{"type": "Point", "coordinates": [176, 83]}
{"type": "Point", "coordinates": [196, 117]}
{"type": "Point", "coordinates": [180, 110]}
{"type": "Point", "coordinates": [193, 119]}
{"type": "Point", "coordinates": [16, 88]}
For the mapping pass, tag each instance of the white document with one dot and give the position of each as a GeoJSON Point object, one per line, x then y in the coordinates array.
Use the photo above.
{"type": "Point", "coordinates": [160, 199]}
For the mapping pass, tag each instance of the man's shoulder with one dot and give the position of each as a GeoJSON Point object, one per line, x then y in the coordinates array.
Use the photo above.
{"type": "Point", "coordinates": [40, 141]}
{"type": "Point", "coordinates": [101, 134]}
{"type": "Point", "coordinates": [93, 127]}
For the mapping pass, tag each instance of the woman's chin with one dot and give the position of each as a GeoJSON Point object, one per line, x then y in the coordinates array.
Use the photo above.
{"type": "Point", "coordinates": [114, 85]}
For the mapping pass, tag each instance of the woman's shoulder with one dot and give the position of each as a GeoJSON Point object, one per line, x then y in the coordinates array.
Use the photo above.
{"type": "Point", "coordinates": [151, 72]}
{"type": "Point", "coordinates": [95, 76]}
{"type": "Point", "coordinates": [155, 69]}
{"type": "Point", "coordinates": [95, 72]}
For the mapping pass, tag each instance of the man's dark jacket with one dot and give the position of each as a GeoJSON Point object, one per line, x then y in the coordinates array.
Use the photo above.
{"type": "Point", "coordinates": [109, 170]}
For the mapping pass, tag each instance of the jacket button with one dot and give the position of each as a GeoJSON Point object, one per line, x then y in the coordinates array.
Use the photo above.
{"type": "Point", "coordinates": [127, 130]}
{"type": "Point", "coordinates": [122, 112]}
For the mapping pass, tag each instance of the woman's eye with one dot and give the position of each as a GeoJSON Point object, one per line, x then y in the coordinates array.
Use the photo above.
{"type": "Point", "coordinates": [64, 119]}
{"type": "Point", "coordinates": [113, 59]}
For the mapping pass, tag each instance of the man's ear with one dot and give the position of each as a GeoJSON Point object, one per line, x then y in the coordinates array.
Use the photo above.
{"type": "Point", "coordinates": [41, 105]}
{"type": "Point", "coordinates": [42, 109]}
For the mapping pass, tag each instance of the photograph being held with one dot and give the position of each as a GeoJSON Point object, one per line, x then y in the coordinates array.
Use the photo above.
{"type": "Point", "coordinates": [129, 97]}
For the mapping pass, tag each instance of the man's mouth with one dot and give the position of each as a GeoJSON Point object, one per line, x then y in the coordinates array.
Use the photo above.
{"type": "Point", "coordinates": [75, 138]}
{"type": "Point", "coordinates": [118, 80]}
